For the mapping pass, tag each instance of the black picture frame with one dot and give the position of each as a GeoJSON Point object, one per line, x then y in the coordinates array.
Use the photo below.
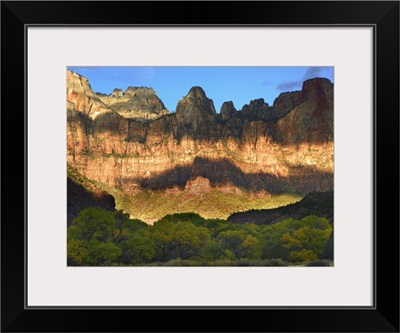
{"type": "Point", "coordinates": [383, 316]}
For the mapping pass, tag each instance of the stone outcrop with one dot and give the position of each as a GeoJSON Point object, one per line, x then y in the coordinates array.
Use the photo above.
{"type": "Point", "coordinates": [198, 185]}
{"type": "Point", "coordinates": [81, 98]}
{"type": "Point", "coordinates": [195, 113]}
{"type": "Point", "coordinates": [312, 120]}
{"type": "Point", "coordinates": [285, 103]}
{"type": "Point", "coordinates": [256, 110]}
{"type": "Point", "coordinates": [138, 103]}
{"type": "Point", "coordinates": [228, 110]}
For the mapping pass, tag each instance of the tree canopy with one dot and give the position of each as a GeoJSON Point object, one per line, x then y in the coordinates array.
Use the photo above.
{"type": "Point", "coordinates": [98, 237]}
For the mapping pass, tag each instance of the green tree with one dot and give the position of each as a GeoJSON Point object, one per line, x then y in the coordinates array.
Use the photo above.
{"type": "Point", "coordinates": [179, 240]}
{"type": "Point", "coordinates": [308, 241]}
{"type": "Point", "coordinates": [303, 255]}
{"type": "Point", "coordinates": [163, 234]}
{"type": "Point", "coordinates": [93, 223]}
{"type": "Point", "coordinates": [97, 236]}
{"type": "Point", "coordinates": [124, 225]}
{"type": "Point", "coordinates": [77, 253]}
{"type": "Point", "coordinates": [240, 243]}
{"type": "Point", "coordinates": [140, 247]}
{"type": "Point", "coordinates": [191, 240]}
{"type": "Point", "coordinates": [102, 253]}
{"type": "Point", "coordinates": [251, 247]}
{"type": "Point", "coordinates": [327, 253]}
{"type": "Point", "coordinates": [184, 217]}
{"type": "Point", "coordinates": [296, 240]}
{"type": "Point", "coordinates": [121, 226]}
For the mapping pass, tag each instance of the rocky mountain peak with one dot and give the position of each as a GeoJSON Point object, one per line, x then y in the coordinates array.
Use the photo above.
{"type": "Point", "coordinates": [117, 92]}
{"type": "Point", "coordinates": [256, 103]}
{"type": "Point", "coordinates": [134, 91]}
{"type": "Point", "coordinates": [196, 93]}
{"type": "Point", "coordinates": [286, 102]}
{"type": "Point", "coordinates": [139, 103]}
{"type": "Point", "coordinates": [195, 113]}
{"type": "Point", "coordinates": [257, 109]}
{"type": "Point", "coordinates": [228, 110]}
{"type": "Point", "coordinates": [316, 86]}
{"type": "Point", "coordinates": [75, 76]}
{"type": "Point", "coordinates": [312, 119]}
{"type": "Point", "coordinates": [81, 98]}
{"type": "Point", "coordinates": [194, 107]}
{"type": "Point", "coordinates": [317, 81]}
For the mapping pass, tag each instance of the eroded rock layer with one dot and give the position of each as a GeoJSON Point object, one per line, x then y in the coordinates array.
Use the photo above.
{"type": "Point", "coordinates": [128, 140]}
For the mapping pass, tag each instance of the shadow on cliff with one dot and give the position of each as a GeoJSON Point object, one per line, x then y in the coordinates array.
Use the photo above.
{"type": "Point", "coordinates": [303, 126]}
{"type": "Point", "coordinates": [79, 198]}
{"type": "Point", "coordinates": [314, 203]}
{"type": "Point", "coordinates": [223, 172]}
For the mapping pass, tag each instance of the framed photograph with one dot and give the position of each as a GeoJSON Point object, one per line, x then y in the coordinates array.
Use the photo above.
{"type": "Point", "coordinates": [234, 165]}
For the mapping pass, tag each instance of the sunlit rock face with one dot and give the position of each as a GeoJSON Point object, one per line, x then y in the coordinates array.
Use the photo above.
{"type": "Point", "coordinates": [128, 140]}
{"type": "Point", "coordinates": [81, 98]}
{"type": "Point", "coordinates": [136, 103]}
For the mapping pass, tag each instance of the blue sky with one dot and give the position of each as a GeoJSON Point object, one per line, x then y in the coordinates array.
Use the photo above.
{"type": "Point", "coordinates": [237, 84]}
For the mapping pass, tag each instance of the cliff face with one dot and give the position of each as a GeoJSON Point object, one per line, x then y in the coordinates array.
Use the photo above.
{"type": "Point", "coordinates": [312, 120]}
{"type": "Point", "coordinates": [261, 149]}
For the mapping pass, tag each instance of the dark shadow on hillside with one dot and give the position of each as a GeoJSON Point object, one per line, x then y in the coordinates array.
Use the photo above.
{"type": "Point", "coordinates": [79, 198]}
{"type": "Point", "coordinates": [223, 172]}
{"type": "Point", "coordinates": [315, 203]}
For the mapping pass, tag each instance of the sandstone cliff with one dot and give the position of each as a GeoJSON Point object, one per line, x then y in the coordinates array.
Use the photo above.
{"type": "Point", "coordinates": [260, 149]}
{"type": "Point", "coordinates": [312, 120]}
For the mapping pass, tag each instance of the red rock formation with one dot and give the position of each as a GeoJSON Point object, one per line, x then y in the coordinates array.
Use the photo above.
{"type": "Point", "coordinates": [312, 120]}
{"type": "Point", "coordinates": [288, 149]}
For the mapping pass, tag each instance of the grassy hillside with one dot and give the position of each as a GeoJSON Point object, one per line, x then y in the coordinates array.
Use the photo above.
{"type": "Point", "coordinates": [150, 206]}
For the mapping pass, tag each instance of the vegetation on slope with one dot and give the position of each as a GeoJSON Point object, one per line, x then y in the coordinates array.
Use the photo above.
{"type": "Point", "coordinates": [150, 206]}
{"type": "Point", "coordinates": [314, 203]}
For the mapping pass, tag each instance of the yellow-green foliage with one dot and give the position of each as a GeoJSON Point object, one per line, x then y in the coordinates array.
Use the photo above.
{"type": "Point", "coordinates": [150, 206]}
{"type": "Point", "coordinates": [297, 240]}
{"type": "Point", "coordinates": [103, 238]}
